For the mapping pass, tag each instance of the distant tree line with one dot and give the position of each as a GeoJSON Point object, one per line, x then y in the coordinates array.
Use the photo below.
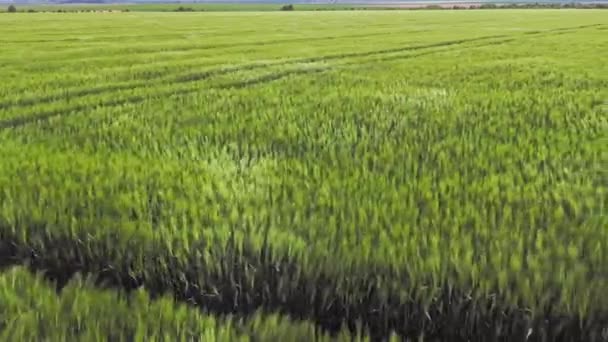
{"type": "Point", "coordinates": [184, 9]}
{"type": "Point", "coordinates": [12, 9]}
{"type": "Point", "coordinates": [541, 5]}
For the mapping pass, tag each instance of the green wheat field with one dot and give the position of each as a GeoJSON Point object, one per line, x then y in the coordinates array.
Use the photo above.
{"type": "Point", "coordinates": [303, 176]}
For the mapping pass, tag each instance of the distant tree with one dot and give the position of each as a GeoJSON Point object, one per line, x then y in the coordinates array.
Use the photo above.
{"type": "Point", "coordinates": [287, 8]}
{"type": "Point", "coordinates": [12, 9]}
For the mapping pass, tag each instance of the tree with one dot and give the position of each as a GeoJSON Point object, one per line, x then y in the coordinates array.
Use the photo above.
{"type": "Point", "coordinates": [12, 9]}
{"type": "Point", "coordinates": [184, 9]}
{"type": "Point", "coordinates": [287, 8]}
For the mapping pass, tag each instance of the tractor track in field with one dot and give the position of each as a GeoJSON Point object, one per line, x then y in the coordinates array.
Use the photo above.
{"type": "Point", "coordinates": [402, 57]}
{"type": "Point", "coordinates": [185, 48]}
{"type": "Point", "coordinates": [198, 76]}
{"type": "Point", "coordinates": [15, 122]}
{"type": "Point", "coordinates": [208, 73]}
{"type": "Point", "coordinates": [46, 115]}
{"type": "Point", "coordinates": [272, 77]}
{"type": "Point", "coordinates": [160, 51]}
{"type": "Point", "coordinates": [559, 29]}
{"type": "Point", "coordinates": [202, 75]}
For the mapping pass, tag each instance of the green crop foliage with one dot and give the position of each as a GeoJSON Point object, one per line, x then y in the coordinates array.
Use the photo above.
{"type": "Point", "coordinates": [31, 310]}
{"type": "Point", "coordinates": [431, 175]}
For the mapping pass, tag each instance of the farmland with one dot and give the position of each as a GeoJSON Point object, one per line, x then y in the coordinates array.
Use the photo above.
{"type": "Point", "coordinates": [429, 175]}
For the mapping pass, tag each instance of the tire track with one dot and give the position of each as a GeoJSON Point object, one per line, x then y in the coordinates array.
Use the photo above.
{"type": "Point", "coordinates": [560, 29]}
{"type": "Point", "coordinates": [206, 74]}
{"type": "Point", "coordinates": [190, 77]}
{"type": "Point", "coordinates": [409, 56]}
{"type": "Point", "coordinates": [221, 71]}
{"type": "Point", "coordinates": [72, 94]}
{"type": "Point", "coordinates": [271, 78]}
{"type": "Point", "coordinates": [134, 99]}
{"type": "Point", "coordinates": [111, 88]}
{"type": "Point", "coordinates": [198, 76]}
